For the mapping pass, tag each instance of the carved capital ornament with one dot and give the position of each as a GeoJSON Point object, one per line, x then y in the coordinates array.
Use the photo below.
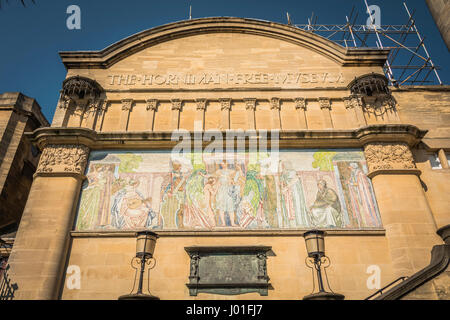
{"type": "Point", "coordinates": [324, 103]}
{"type": "Point", "coordinates": [176, 104]}
{"type": "Point", "coordinates": [201, 104]}
{"type": "Point", "coordinates": [250, 103]}
{"type": "Point", "coordinates": [225, 104]}
{"type": "Point", "coordinates": [152, 104]}
{"type": "Point", "coordinates": [388, 156]}
{"type": "Point", "coordinates": [63, 159]}
{"type": "Point", "coordinates": [127, 104]}
{"type": "Point", "coordinates": [300, 103]}
{"type": "Point", "coordinates": [275, 103]}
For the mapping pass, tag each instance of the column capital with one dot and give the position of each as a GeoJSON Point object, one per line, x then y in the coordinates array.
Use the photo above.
{"type": "Point", "coordinates": [300, 103]}
{"type": "Point", "coordinates": [176, 104]}
{"type": "Point", "coordinates": [324, 103]}
{"type": "Point", "coordinates": [225, 103]}
{"type": "Point", "coordinates": [355, 101]}
{"type": "Point", "coordinates": [275, 103]}
{"type": "Point", "coordinates": [348, 103]}
{"type": "Point", "coordinates": [389, 157]}
{"type": "Point", "coordinates": [127, 104]}
{"type": "Point", "coordinates": [152, 104]}
{"type": "Point", "coordinates": [250, 103]}
{"type": "Point", "coordinates": [64, 159]}
{"type": "Point", "coordinates": [201, 104]}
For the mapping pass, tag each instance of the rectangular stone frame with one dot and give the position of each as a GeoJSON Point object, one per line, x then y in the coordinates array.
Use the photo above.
{"type": "Point", "coordinates": [209, 272]}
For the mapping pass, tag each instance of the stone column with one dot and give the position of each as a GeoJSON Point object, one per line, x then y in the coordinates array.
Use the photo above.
{"type": "Point", "coordinates": [92, 113]}
{"type": "Point", "coordinates": [325, 106]}
{"type": "Point", "coordinates": [250, 106]}
{"type": "Point", "coordinates": [404, 210]}
{"type": "Point", "coordinates": [152, 106]}
{"type": "Point", "coordinates": [127, 104]}
{"type": "Point", "coordinates": [300, 106]}
{"type": "Point", "coordinates": [357, 105]}
{"type": "Point", "coordinates": [176, 109]}
{"type": "Point", "coordinates": [225, 107]}
{"type": "Point", "coordinates": [275, 106]}
{"type": "Point", "coordinates": [200, 113]}
{"type": "Point", "coordinates": [39, 255]}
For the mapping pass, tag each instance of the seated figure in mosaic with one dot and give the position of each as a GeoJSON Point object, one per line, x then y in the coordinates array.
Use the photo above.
{"type": "Point", "coordinates": [326, 210]}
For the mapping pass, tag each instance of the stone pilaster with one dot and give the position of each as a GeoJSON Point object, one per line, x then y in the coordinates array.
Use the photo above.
{"type": "Point", "coordinates": [275, 106]}
{"type": "Point", "coordinates": [152, 108]}
{"type": "Point", "coordinates": [325, 106]}
{"type": "Point", "coordinates": [200, 112]}
{"type": "Point", "coordinates": [176, 109]}
{"type": "Point", "coordinates": [127, 105]}
{"type": "Point", "coordinates": [40, 250]}
{"type": "Point", "coordinates": [250, 106]}
{"type": "Point", "coordinates": [92, 113]}
{"type": "Point", "coordinates": [225, 107]}
{"type": "Point", "coordinates": [356, 104]}
{"type": "Point", "coordinates": [405, 213]}
{"type": "Point", "coordinates": [300, 106]}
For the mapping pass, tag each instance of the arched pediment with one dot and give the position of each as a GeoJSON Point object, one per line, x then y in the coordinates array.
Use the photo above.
{"type": "Point", "coordinates": [107, 57]}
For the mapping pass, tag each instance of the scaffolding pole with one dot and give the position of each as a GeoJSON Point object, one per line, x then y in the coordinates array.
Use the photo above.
{"type": "Point", "coordinates": [408, 62]}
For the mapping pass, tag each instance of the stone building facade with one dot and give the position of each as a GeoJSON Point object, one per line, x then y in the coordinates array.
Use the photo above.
{"type": "Point", "coordinates": [19, 115]}
{"type": "Point", "coordinates": [366, 162]}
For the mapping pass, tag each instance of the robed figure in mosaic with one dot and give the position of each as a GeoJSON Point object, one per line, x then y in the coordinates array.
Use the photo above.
{"type": "Point", "coordinates": [293, 197]}
{"type": "Point", "coordinates": [361, 199]}
{"type": "Point", "coordinates": [173, 204]}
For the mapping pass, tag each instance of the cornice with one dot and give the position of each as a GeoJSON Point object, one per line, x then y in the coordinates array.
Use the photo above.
{"type": "Point", "coordinates": [105, 58]}
{"type": "Point", "coordinates": [357, 138]}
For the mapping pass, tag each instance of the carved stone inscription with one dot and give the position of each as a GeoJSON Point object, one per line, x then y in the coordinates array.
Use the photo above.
{"type": "Point", "coordinates": [224, 79]}
{"type": "Point", "coordinates": [228, 270]}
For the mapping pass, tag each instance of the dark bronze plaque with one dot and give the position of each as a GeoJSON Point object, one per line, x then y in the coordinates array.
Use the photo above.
{"type": "Point", "coordinates": [228, 270]}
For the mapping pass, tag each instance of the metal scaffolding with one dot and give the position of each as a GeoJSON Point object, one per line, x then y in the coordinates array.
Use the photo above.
{"type": "Point", "coordinates": [408, 62]}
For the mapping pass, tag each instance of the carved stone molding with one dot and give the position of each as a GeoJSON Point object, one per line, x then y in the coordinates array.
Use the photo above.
{"type": "Point", "coordinates": [300, 103]}
{"type": "Point", "coordinates": [355, 101]}
{"type": "Point", "coordinates": [379, 104]}
{"type": "Point", "coordinates": [82, 91]}
{"type": "Point", "coordinates": [275, 103]}
{"type": "Point", "coordinates": [176, 104]}
{"type": "Point", "coordinates": [250, 103]}
{"type": "Point", "coordinates": [93, 107]}
{"type": "Point", "coordinates": [225, 104]}
{"type": "Point", "coordinates": [324, 103]}
{"type": "Point", "coordinates": [64, 158]}
{"type": "Point", "coordinates": [63, 102]}
{"type": "Point", "coordinates": [127, 104]}
{"type": "Point", "coordinates": [348, 103]}
{"type": "Point", "coordinates": [152, 104]}
{"type": "Point", "coordinates": [369, 84]}
{"type": "Point", "coordinates": [201, 104]}
{"type": "Point", "coordinates": [388, 156]}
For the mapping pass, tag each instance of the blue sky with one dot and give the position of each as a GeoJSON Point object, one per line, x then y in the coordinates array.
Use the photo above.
{"type": "Point", "coordinates": [31, 37]}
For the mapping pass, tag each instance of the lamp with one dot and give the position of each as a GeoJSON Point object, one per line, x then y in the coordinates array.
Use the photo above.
{"type": "Point", "coordinates": [315, 243]}
{"type": "Point", "coordinates": [316, 259]}
{"type": "Point", "coordinates": [145, 247]}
